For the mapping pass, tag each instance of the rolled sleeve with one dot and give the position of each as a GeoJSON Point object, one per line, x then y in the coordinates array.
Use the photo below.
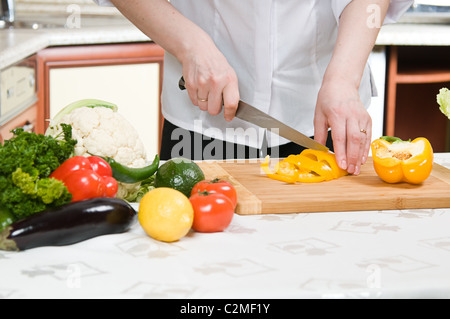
{"type": "Point", "coordinates": [338, 6]}
{"type": "Point", "coordinates": [395, 10]}
{"type": "Point", "coordinates": [104, 3]}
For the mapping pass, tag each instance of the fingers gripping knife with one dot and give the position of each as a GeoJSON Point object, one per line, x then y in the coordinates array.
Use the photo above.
{"type": "Point", "coordinates": [255, 116]}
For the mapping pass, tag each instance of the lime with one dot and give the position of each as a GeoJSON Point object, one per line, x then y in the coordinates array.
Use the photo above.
{"type": "Point", "coordinates": [165, 214]}
{"type": "Point", "coordinates": [180, 174]}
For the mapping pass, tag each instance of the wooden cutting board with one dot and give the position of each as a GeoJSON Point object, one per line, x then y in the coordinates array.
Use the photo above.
{"type": "Point", "coordinates": [258, 194]}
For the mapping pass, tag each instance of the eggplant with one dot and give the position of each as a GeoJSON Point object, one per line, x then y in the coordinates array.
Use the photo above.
{"type": "Point", "coordinates": [69, 224]}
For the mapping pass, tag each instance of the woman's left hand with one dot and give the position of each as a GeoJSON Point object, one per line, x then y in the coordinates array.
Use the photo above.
{"type": "Point", "coordinates": [339, 107]}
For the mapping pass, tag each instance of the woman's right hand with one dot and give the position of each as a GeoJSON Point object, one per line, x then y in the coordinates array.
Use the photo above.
{"type": "Point", "coordinates": [210, 80]}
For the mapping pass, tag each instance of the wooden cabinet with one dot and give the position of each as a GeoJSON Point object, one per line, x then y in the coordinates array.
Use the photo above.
{"type": "Point", "coordinates": [415, 75]}
{"type": "Point", "coordinates": [129, 75]}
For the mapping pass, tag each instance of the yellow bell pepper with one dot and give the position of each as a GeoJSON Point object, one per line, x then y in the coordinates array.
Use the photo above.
{"type": "Point", "coordinates": [397, 161]}
{"type": "Point", "coordinates": [310, 166]}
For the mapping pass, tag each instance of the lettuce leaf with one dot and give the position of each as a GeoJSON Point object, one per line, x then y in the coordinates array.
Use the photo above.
{"type": "Point", "coordinates": [443, 99]}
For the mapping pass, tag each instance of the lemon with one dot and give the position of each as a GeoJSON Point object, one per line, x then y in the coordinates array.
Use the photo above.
{"type": "Point", "coordinates": [165, 214]}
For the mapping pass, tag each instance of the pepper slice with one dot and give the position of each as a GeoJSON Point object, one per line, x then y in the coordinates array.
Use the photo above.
{"type": "Point", "coordinates": [326, 158]}
{"type": "Point", "coordinates": [310, 166]}
{"type": "Point", "coordinates": [310, 171]}
{"type": "Point", "coordinates": [397, 161]}
{"type": "Point", "coordinates": [288, 178]}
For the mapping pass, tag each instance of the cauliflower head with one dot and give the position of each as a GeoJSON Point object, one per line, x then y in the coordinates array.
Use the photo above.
{"type": "Point", "coordinates": [101, 131]}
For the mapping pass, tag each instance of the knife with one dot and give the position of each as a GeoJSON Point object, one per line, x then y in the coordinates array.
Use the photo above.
{"type": "Point", "coordinates": [255, 116]}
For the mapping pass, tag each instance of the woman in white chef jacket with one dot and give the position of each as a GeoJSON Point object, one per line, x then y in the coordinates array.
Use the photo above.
{"type": "Point", "coordinates": [302, 61]}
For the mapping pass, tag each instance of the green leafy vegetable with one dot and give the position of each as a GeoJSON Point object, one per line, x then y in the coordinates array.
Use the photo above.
{"type": "Point", "coordinates": [146, 186]}
{"type": "Point", "coordinates": [6, 218]}
{"type": "Point", "coordinates": [26, 162]}
{"type": "Point", "coordinates": [134, 192]}
{"type": "Point", "coordinates": [443, 99]}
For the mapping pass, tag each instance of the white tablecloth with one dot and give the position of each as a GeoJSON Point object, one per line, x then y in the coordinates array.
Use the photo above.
{"type": "Point", "coordinates": [367, 254]}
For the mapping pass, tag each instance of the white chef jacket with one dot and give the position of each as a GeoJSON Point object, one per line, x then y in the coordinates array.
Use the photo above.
{"type": "Point", "coordinates": [279, 50]}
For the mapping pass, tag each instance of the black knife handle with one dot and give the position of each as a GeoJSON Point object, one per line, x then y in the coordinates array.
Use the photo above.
{"type": "Point", "coordinates": [182, 84]}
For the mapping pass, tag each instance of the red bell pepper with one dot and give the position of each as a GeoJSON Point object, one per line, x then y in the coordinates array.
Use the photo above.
{"type": "Point", "coordinates": [86, 177]}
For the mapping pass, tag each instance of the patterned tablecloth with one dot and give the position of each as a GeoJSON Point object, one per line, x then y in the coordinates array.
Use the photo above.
{"type": "Point", "coordinates": [366, 254]}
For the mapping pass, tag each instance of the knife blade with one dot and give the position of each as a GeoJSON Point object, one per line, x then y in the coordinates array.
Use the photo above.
{"type": "Point", "coordinates": [257, 117]}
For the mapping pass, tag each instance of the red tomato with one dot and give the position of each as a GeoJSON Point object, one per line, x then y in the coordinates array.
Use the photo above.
{"type": "Point", "coordinates": [70, 165]}
{"type": "Point", "coordinates": [85, 184]}
{"type": "Point", "coordinates": [111, 186]}
{"type": "Point", "coordinates": [216, 186]}
{"type": "Point", "coordinates": [213, 212]}
{"type": "Point", "coordinates": [100, 166]}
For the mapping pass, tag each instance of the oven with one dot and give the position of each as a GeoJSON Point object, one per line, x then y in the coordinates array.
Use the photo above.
{"type": "Point", "coordinates": [18, 97]}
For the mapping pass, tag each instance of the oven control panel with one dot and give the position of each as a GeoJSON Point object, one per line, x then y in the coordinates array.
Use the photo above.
{"type": "Point", "coordinates": [17, 89]}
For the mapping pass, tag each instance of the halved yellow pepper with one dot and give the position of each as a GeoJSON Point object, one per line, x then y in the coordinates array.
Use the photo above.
{"type": "Point", "coordinates": [397, 161]}
{"type": "Point", "coordinates": [310, 166]}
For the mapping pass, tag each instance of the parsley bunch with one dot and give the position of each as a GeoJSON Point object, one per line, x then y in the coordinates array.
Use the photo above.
{"type": "Point", "coordinates": [26, 162]}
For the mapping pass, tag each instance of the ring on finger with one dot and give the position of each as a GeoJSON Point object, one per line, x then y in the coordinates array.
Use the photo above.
{"type": "Point", "coordinates": [202, 100]}
{"type": "Point", "coordinates": [363, 131]}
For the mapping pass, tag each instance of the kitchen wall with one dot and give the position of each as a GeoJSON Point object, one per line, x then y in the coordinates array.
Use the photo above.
{"type": "Point", "coordinates": [87, 7]}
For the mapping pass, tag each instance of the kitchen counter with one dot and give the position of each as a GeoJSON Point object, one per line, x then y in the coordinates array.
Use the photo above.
{"type": "Point", "coordinates": [415, 34]}
{"type": "Point", "coordinates": [359, 254]}
{"type": "Point", "coordinates": [20, 43]}
{"type": "Point", "coordinates": [16, 44]}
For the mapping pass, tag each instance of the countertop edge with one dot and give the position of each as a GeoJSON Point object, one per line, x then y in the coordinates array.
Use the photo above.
{"type": "Point", "coordinates": [23, 43]}
{"type": "Point", "coordinates": [29, 42]}
{"type": "Point", "coordinates": [403, 34]}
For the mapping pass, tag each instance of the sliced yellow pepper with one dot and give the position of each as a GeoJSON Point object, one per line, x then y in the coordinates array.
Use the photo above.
{"type": "Point", "coordinates": [274, 175]}
{"type": "Point", "coordinates": [326, 158]}
{"type": "Point", "coordinates": [310, 166]}
{"type": "Point", "coordinates": [397, 161]}
{"type": "Point", "coordinates": [310, 177]}
{"type": "Point", "coordinates": [286, 169]}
